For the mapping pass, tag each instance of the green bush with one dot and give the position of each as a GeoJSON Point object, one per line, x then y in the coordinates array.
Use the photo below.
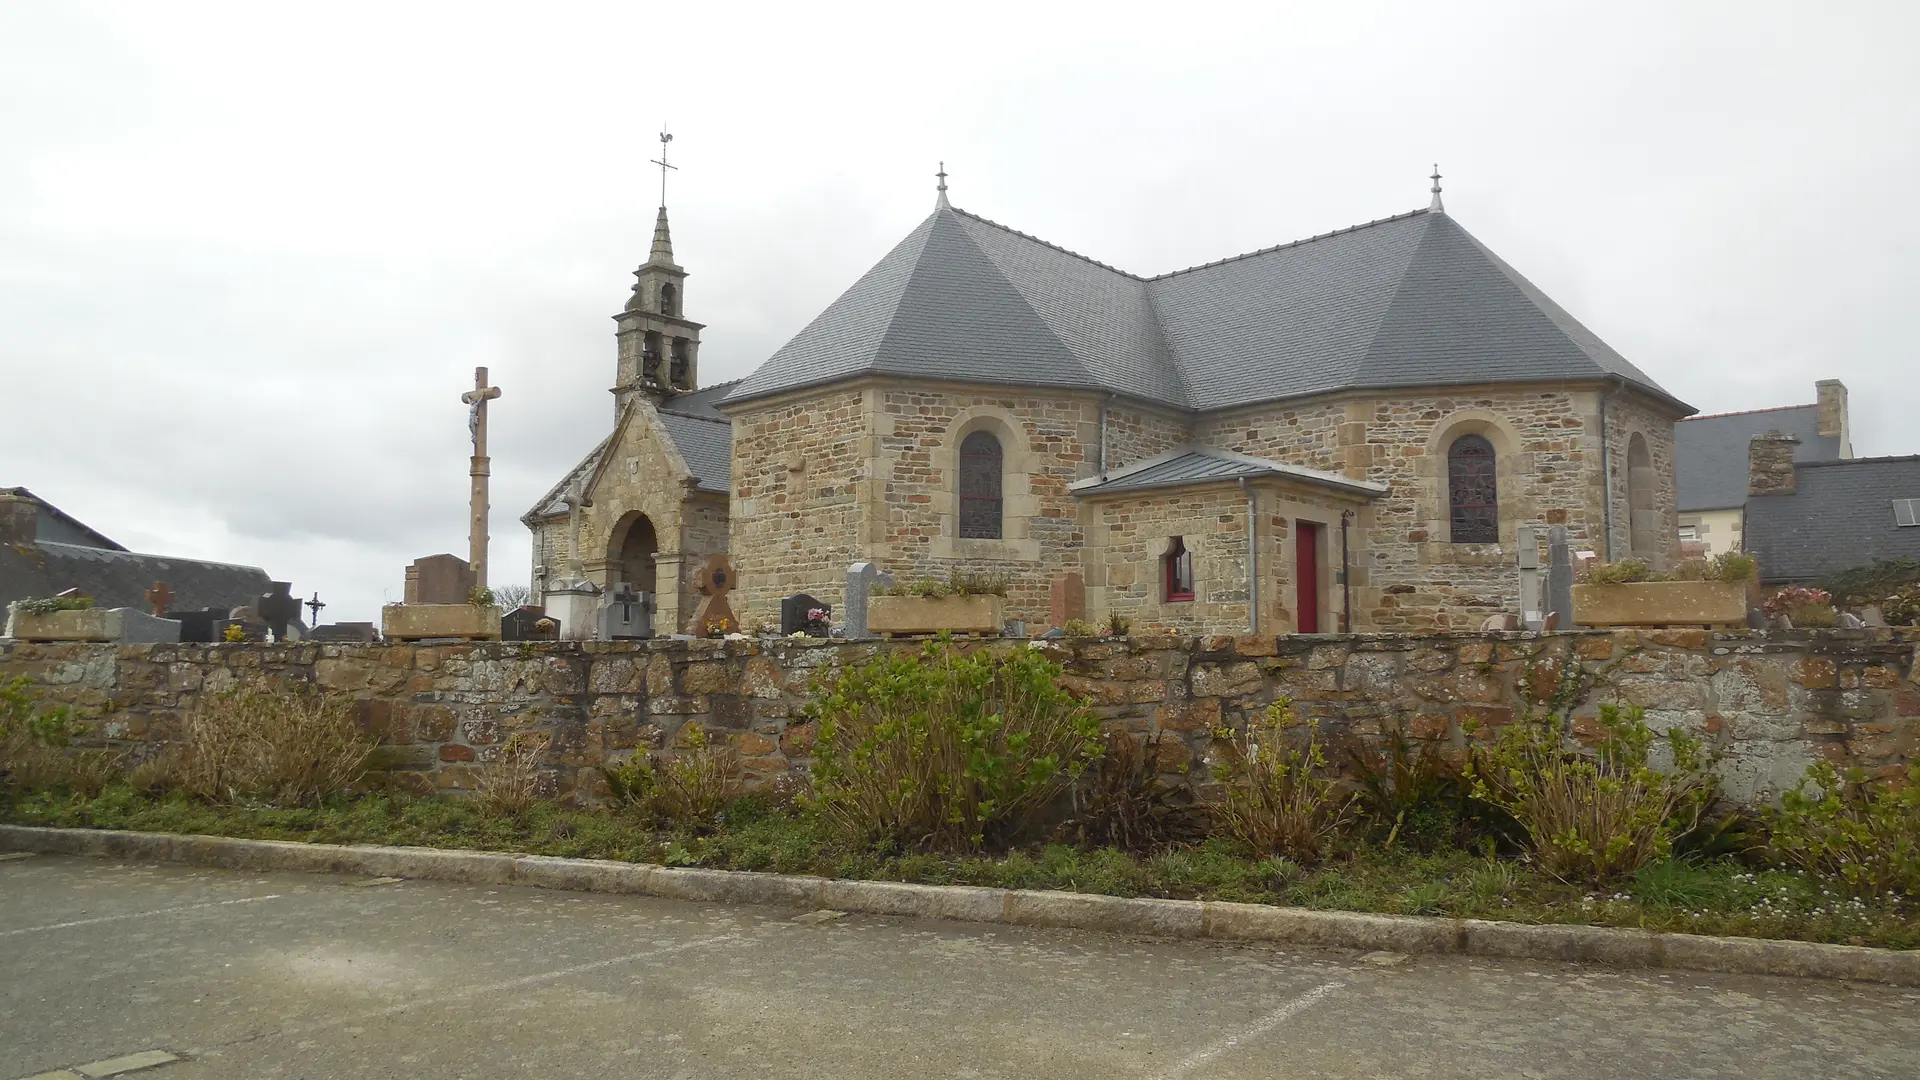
{"type": "Point", "coordinates": [946, 750]}
{"type": "Point", "coordinates": [1865, 835]}
{"type": "Point", "coordinates": [288, 749]}
{"type": "Point", "coordinates": [47, 605]}
{"type": "Point", "coordinates": [1411, 793]}
{"type": "Point", "coordinates": [1600, 817]}
{"type": "Point", "coordinates": [1279, 798]}
{"type": "Point", "coordinates": [689, 788]}
{"type": "Point", "coordinates": [1122, 801]}
{"type": "Point", "coordinates": [956, 583]}
{"type": "Point", "coordinates": [33, 740]}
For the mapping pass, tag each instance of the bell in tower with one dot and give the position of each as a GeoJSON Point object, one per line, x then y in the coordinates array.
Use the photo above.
{"type": "Point", "coordinates": [659, 347]}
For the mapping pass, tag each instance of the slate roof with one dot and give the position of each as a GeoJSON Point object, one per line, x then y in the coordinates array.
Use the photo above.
{"type": "Point", "coordinates": [1198, 464]}
{"type": "Point", "coordinates": [1840, 516]}
{"type": "Point", "coordinates": [119, 578]}
{"type": "Point", "coordinates": [1710, 452]}
{"type": "Point", "coordinates": [702, 435]}
{"type": "Point", "coordinates": [1412, 300]}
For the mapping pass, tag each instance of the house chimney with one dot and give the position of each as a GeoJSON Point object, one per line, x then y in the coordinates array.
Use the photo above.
{"type": "Point", "coordinates": [19, 519]}
{"type": "Point", "coordinates": [1832, 397]}
{"type": "Point", "coordinates": [1770, 464]}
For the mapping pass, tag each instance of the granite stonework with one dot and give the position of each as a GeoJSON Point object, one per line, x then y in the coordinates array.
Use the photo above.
{"type": "Point", "coordinates": [1769, 702]}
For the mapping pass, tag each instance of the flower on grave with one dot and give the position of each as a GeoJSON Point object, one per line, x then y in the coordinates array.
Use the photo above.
{"type": "Point", "coordinates": [234, 633]}
{"type": "Point", "coordinates": [818, 614]}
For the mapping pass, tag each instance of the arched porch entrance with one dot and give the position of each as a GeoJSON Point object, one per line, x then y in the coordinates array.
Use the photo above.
{"type": "Point", "coordinates": [631, 553]}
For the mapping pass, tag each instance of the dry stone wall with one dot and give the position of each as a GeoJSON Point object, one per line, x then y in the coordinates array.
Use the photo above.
{"type": "Point", "coordinates": [1769, 703]}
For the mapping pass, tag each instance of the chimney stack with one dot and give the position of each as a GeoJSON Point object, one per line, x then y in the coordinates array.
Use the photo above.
{"type": "Point", "coordinates": [19, 518]}
{"type": "Point", "coordinates": [1831, 394]}
{"type": "Point", "coordinates": [1770, 464]}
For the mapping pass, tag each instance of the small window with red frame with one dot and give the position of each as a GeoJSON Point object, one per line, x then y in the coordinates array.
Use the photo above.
{"type": "Point", "coordinates": [1177, 567]}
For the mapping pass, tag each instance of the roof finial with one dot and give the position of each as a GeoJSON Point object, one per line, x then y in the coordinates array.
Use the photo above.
{"type": "Point", "coordinates": [662, 162]}
{"type": "Point", "coordinates": [1435, 204]}
{"type": "Point", "coordinates": [942, 189]}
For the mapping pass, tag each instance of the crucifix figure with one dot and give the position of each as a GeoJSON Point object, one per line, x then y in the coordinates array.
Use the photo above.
{"type": "Point", "coordinates": [662, 162]}
{"type": "Point", "coordinates": [161, 598]}
{"type": "Point", "coordinates": [314, 605]}
{"type": "Point", "coordinates": [476, 400]}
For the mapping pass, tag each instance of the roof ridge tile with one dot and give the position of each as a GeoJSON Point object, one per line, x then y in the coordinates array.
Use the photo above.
{"type": "Point", "coordinates": [1291, 244]}
{"type": "Point", "coordinates": [1047, 244]}
{"type": "Point", "coordinates": [1747, 412]}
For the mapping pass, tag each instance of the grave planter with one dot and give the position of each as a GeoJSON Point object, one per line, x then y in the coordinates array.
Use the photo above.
{"type": "Point", "coordinates": [414, 622]}
{"type": "Point", "coordinates": [933, 614]}
{"type": "Point", "coordinates": [1661, 603]}
{"type": "Point", "coordinates": [89, 624]}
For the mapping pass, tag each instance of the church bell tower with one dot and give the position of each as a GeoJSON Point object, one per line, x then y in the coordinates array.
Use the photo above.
{"type": "Point", "coordinates": [659, 346]}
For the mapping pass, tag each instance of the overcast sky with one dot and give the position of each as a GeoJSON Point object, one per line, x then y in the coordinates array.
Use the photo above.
{"type": "Point", "coordinates": [250, 253]}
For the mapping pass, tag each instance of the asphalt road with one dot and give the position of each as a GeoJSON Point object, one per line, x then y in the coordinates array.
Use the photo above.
{"type": "Point", "coordinates": [254, 976]}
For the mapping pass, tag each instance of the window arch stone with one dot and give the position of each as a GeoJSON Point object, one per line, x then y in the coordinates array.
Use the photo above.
{"type": "Point", "coordinates": [1473, 491]}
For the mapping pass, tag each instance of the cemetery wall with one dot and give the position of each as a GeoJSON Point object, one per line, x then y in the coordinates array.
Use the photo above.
{"type": "Point", "coordinates": [1769, 703]}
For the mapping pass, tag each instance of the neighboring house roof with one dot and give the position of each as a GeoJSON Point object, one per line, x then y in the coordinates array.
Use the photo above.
{"type": "Point", "coordinates": [56, 526]}
{"type": "Point", "coordinates": [1710, 452]}
{"type": "Point", "coordinates": [702, 436]}
{"type": "Point", "coordinates": [119, 578]}
{"type": "Point", "coordinates": [1412, 300]}
{"type": "Point", "coordinates": [1196, 464]}
{"type": "Point", "coordinates": [1840, 516]}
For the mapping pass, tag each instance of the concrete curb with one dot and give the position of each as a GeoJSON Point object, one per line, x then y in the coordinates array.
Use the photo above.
{"type": "Point", "coordinates": [1214, 920]}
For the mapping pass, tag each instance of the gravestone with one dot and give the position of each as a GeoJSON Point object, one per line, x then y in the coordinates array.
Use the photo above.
{"type": "Point", "coordinates": [529, 622]}
{"type": "Point", "coordinates": [344, 633]}
{"type": "Point", "coordinates": [139, 628]}
{"type": "Point", "coordinates": [201, 626]}
{"type": "Point", "coordinates": [862, 579]}
{"type": "Point", "coordinates": [439, 579]}
{"type": "Point", "coordinates": [1527, 550]}
{"type": "Point", "coordinates": [1559, 577]}
{"type": "Point", "coordinates": [796, 616]}
{"type": "Point", "coordinates": [249, 622]}
{"type": "Point", "coordinates": [159, 598]}
{"type": "Point", "coordinates": [626, 614]}
{"type": "Point", "coordinates": [713, 581]}
{"type": "Point", "coordinates": [1069, 599]}
{"type": "Point", "coordinates": [278, 608]}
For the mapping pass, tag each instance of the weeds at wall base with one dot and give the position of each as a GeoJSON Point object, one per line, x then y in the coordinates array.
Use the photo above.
{"type": "Point", "coordinates": [1708, 897]}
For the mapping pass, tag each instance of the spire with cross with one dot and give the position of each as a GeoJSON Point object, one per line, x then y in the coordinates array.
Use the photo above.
{"type": "Point", "coordinates": [941, 198]}
{"type": "Point", "coordinates": [1435, 204]}
{"type": "Point", "coordinates": [662, 162]}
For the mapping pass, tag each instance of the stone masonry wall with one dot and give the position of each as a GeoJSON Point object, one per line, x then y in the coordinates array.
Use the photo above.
{"type": "Point", "coordinates": [801, 477]}
{"type": "Point", "coordinates": [1769, 703]}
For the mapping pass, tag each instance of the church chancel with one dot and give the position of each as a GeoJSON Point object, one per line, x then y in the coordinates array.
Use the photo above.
{"type": "Point", "coordinates": [1343, 432]}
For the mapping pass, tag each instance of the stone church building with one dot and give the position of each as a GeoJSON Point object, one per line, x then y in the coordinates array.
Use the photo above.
{"type": "Point", "coordinates": [1344, 431]}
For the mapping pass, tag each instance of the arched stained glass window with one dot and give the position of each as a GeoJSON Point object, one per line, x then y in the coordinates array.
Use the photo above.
{"type": "Point", "coordinates": [980, 506]}
{"type": "Point", "coordinates": [1472, 493]}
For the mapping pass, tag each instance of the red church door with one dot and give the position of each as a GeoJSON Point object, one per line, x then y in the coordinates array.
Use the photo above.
{"type": "Point", "coordinates": [1306, 576]}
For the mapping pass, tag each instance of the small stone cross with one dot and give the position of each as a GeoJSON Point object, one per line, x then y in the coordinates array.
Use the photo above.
{"type": "Point", "coordinates": [160, 598]}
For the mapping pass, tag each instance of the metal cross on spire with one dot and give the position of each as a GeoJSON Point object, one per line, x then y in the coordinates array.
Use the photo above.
{"type": "Point", "coordinates": [942, 189]}
{"type": "Point", "coordinates": [1435, 204]}
{"type": "Point", "coordinates": [662, 162]}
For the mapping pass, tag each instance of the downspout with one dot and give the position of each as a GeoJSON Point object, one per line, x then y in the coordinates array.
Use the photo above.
{"type": "Point", "coordinates": [1253, 564]}
{"type": "Point", "coordinates": [1346, 572]}
{"type": "Point", "coordinates": [1606, 476]}
{"type": "Point", "coordinates": [1103, 435]}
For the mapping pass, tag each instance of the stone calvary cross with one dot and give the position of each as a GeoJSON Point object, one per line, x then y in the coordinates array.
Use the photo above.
{"type": "Point", "coordinates": [476, 401]}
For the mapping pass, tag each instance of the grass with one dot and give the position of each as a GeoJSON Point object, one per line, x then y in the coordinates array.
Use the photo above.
{"type": "Point", "coordinates": [1707, 897]}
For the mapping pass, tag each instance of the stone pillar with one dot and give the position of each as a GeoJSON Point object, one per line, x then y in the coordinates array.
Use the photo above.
{"type": "Point", "coordinates": [1770, 464]}
{"type": "Point", "coordinates": [1069, 599]}
{"type": "Point", "coordinates": [669, 577]}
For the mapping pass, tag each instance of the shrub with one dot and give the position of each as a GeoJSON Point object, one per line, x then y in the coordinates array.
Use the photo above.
{"type": "Point", "coordinates": [1595, 818]}
{"type": "Point", "coordinates": [510, 781]}
{"type": "Point", "coordinates": [34, 741]}
{"type": "Point", "coordinates": [690, 788]}
{"type": "Point", "coordinates": [1117, 625]}
{"type": "Point", "coordinates": [1415, 796]}
{"type": "Point", "coordinates": [1624, 572]}
{"type": "Point", "coordinates": [1865, 835]}
{"type": "Point", "coordinates": [1078, 628]}
{"type": "Point", "coordinates": [1726, 566]}
{"type": "Point", "coordinates": [1123, 802]}
{"type": "Point", "coordinates": [956, 583]}
{"type": "Point", "coordinates": [1805, 606]}
{"type": "Point", "coordinates": [289, 749]}
{"type": "Point", "coordinates": [1902, 608]}
{"type": "Point", "coordinates": [47, 605]}
{"type": "Point", "coordinates": [1876, 582]}
{"type": "Point", "coordinates": [945, 750]}
{"type": "Point", "coordinates": [1279, 800]}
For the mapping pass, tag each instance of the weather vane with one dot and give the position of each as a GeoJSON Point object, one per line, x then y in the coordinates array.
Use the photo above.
{"type": "Point", "coordinates": [662, 162]}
